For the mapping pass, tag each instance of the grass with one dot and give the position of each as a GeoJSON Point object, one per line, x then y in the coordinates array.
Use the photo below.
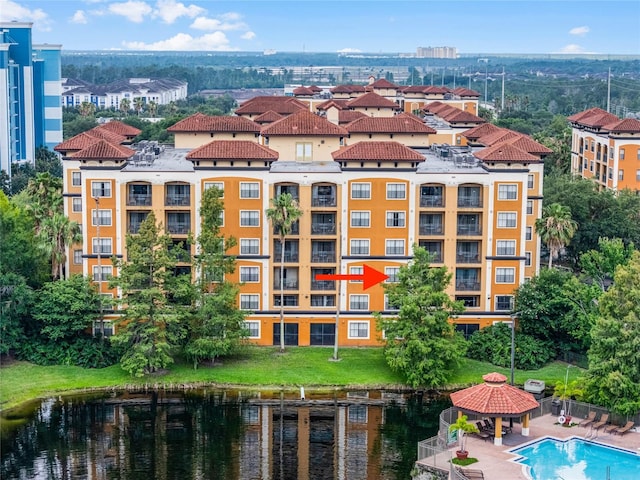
{"type": "Point", "coordinates": [464, 462]}
{"type": "Point", "coordinates": [255, 367]}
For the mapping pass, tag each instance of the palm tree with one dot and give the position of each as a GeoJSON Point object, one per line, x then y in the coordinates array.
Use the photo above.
{"type": "Point", "coordinates": [125, 105]}
{"type": "Point", "coordinates": [556, 228]}
{"type": "Point", "coordinates": [283, 214]}
{"type": "Point", "coordinates": [86, 109]}
{"type": "Point", "coordinates": [138, 104]}
{"type": "Point", "coordinates": [152, 107]}
{"type": "Point", "coordinates": [57, 233]}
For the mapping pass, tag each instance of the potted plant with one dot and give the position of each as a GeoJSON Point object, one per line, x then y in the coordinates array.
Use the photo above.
{"type": "Point", "coordinates": [462, 427]}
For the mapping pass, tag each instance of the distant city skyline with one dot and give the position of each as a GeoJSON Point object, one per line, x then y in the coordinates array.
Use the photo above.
{"type": "Point", "coordinates": [525, 27]}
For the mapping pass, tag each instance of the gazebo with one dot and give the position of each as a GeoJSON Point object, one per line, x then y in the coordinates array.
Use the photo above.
{"type": "Point", "coordinates": [496, 399]}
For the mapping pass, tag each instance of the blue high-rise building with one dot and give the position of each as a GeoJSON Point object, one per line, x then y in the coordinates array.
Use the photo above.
{"type": "Point", "coordinates": [30, 95]}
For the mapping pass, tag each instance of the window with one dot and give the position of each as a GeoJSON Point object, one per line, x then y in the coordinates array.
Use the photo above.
{"type": "Point", "coordinates": [359, 302]}
{"type": "Point", "coordinates": [356, 271]}
{"type": "Point", "coordinates": [505, 275]}
{"type": "Point", "coordinates": [637, 174]}
{"type": "Point", "coordinates": [249, 246]}
{"type": "Point", "coordinates": [394, 247]}
{"type": "Point", "coordinates": [101, 217]}
{"type": "Point", "coordinates": [77, 257]}
{"type": "Point", "coordinates": [396, 191]}
{"type": "Point", "coordinates": [360, 219]}
{"type": "Point", "coordinates": [76, 205]}
{"type": "Point", "coordinates": [249, 218]}
{"type": "Point", "coordinates": [388, 305]}
{"type": "Point", "coordinates": [108, 327]}
{"type": "Point", "coordinates": [507, 219]}
{"type": "Point", "coordinates": [395, 219]}
{"type": "Point", "coordinates": [467, 329]}
{"type": "Point", "coordinates": [249, 190]}
{"type": "Point", "coordinates": [620, 174]}
{"type": "Point", "coordinates": [621, 155]}
{"type": "Point", "coordinates": [359, 247]}
{"type": "Point", "coordinates": [303, 152]}
{"type": "Point", "coordinates": [528, 235]}
{"type": "Point", "coordinates": [253, 329]}
{"type": "Point", "coordinates": [323, 300]}
{"type": "Point", "coordinates": [102, 245]}
{"type": "Point", "coordinates": [506, 247]}
{"type": "Point", "coordinates": [507, 192]}
{"type": "Point", "coordinates": [529, 207]}
{"type": "Point", "coordinates": [469, 301]}
{"type": "Point", "coordinates": [530, 179]}
{"type": "Point", "coordinates": [360, 190]}
{"type": "Point", "coordinates": [106, 273]}
{"type": "Point", "coordinates": [249, 302]}
{"type": "Point", "coordinates": [358, 329]}
{"type": "Point", "coordinates": [249, 274]}
{"type": "Point", "coordinates": [527, 259]}
{"type": "Point", "coordinates": [504, 302]}
{"type": "Point", "coordinates": [392, 272]}
{"type": "Point", "coordinates": [100, 189]}
{"type": "Point", "coordinates": [218, 185]}
{"type": "Point", "coordinates": [76, 179]}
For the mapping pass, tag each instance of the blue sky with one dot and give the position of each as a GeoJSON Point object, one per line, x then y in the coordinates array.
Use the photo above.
{"type": "Point", "coordinates": [573, 26]}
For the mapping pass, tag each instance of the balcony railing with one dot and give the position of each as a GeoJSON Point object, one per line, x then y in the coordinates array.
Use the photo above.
{"type": "Point", "coordinates": [467, 285]}
{"type": "Point", "coordinates": [468, 257]}
{"type": "Point", "coordinates": [436, 257]}
{"type": "Point", "coordinates": [288, 257]}
{"type": "Point", "coordinates": [469, 230]}
{"type": "Point", "coordinates": [288, 284]}
{"type": "Point", "coordinates": [177, 200]}
{"type": "Point", "coordinates": [323, 257]}
{"type": "Point", "coordinates": [295, 229]}
{"type": "Point", "coordinates": [469, 201]}
{"type": "Point", "coordinates": [178, 228]}
{"type": "Point", "coordinates": [431, 201]}
{"type": "Point", "coordinates": [323, 285]}
{"type": "Point", "coordinates": [323, 228]}
{"type": "Point", "coordinates": [323, 201]}
{"type": "Point", "coordinates": [139, 200]}
{"type": "Point", "coordinates": [431, 229]}
{"type": "Point", "coordinates": [134, 227]}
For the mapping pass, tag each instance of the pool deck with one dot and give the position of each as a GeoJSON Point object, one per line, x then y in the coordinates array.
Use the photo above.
{"type": "Point", "coordinates": [494, 461]}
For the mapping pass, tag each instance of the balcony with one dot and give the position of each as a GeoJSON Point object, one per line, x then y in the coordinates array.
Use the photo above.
{"type": "Point", "coordinates": [295, 229]}
{"type": "Point", "coordinates": [139, 200]}
{"type": "Point", "coordinates": [177, 200]}
{"type": "Point", "coordinates": [469, 201]}
{"type": "Point", "coordinates": [289, 257]}
{"type": "Point", "coordinates": [323, 228]}
{"type": "Point", "coordinates": [323, 257]}
{"type": "Point", "coordinates": [178, 228]}
{"type": "Point", "coordinates": [323, 285]}
{"type": "Point", "coordinates": [467, 257]}
{"type": "Point", "coordinates": [469, 230]}
{"type": "Point", "coordinates": [323, 201]}
{"type": "Point", "coordinates": [288, 284]}
{"type": "Point", "coordinates": [431, 201]}
{"type": "Point", "coordinates": [467, 285]}
{"type": "Point", "coordinates": [134, 227]}
{"type": "Point", "coordinates": [431, 229]}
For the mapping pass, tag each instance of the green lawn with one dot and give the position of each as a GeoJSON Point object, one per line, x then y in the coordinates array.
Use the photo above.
{"type": "Point", "coordinates": [257, 366]}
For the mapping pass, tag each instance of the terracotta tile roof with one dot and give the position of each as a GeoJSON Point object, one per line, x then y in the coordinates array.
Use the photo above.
{"type": "Point", "coordinates": [315, 88]}
{"type": "Point", "coordinates": [494, 397]}
{"type": "Point", "coordinates": [505, 152]}
{"type": "Point", "coordinates": [78, 142]}
{"type": "Point", "coordinates": [480, 131]}
{"type": "Point", "coordinates": [576, 117]}
{"type": "Point", "coordinates": [121, 128]}
{"type": "Point", "coordinates": [348, 89]}
{"type": "Point", "coordinates": [433, 107]}
{"type": "Point", "coordinates": [594, 117]}
{"type": "Point", "coordinates": [267, 117]}
{"type": "Point", "coordinates": [383, 83]}
{"type": "Point", "coordinates": [402, 123]}
{"type": "Point", "coordinates": [199, 122]}
{"type": "Point", "coordinates": [502, 135]}
{"type": "Point", "coordinates": [413, 89]}
{"type": "Point", "coordinates": [103, 150]}
{"type": "Point", "coordinates": [339, 103]}
{"type": "Point", "coordinates": [465, 92]}
{"type": "Point", "coordinates": [348, 116]}
{"type": "Point", "coordinates": [107, 135]}
{"type": "Point", "coordinates": [303, 91]}
{"type": "Point", "coordinates": [303, 122]}
{"type": "Point", "coordinates": [388, 151]}
{"type": "Point", "coordinates": [233, 150]}
{"type": "Point", "coordinates": [372, 100]}
{"type": "Point", "coordinates": [433, 89]}
{"type": "Point", "coordinates": [529, 145]}
{"type": "Point", "coordinates": [460, 116]}
{"type": "Point", "coordinates": [280, 104]}
{"type": "Point", "coordinates": [628, 125]}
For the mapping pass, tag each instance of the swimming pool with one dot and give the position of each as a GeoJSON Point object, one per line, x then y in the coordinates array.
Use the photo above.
{"type": "Point", "coordinates": [577, 459]}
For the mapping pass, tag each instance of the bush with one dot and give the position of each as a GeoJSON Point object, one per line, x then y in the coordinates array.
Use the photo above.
{"type": "Point", "coordinates": [85, 351]}
{"type": "Point", "coordinates": [493, 344]}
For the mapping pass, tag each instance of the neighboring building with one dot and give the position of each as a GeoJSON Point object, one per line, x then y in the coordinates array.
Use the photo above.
{"type": "Point", "coordinates": [30, 110]}
{"type": "Point", "coordinates": [366, 198]}
{"type": "Point", "coordinates": [161, 91]}
{"type": "Point", "coordinates": [436, 52]}
{"type": "Point", "coordinates": [606, 149]}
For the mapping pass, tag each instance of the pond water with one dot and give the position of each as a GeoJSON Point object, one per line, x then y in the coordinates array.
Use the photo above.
{"type": "Point", "coordinates": [219, 434]}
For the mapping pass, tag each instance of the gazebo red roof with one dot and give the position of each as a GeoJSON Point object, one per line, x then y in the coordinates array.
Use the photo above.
{"type": "Point", "coordinates": [494, 397]}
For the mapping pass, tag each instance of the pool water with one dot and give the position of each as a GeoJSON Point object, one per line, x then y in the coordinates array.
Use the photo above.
{"type": "Point", "coordinates": [577, 459]}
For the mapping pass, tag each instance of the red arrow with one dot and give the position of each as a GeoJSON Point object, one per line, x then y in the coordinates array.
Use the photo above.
{"type": "Point", "coordinates": [369, 276]}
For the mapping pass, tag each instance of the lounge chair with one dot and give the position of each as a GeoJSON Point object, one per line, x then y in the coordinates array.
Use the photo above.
{"type": "Point", "coordinates": [470, 474]}
{"type": "Point", "coordinates": [589, 420]}
{"type": "Point", "coordinates": [624, 429]}
{"type": "Point", "coordinates": [481, 433]}
{"type": "Point", "coordinates": [610, 428]}
{"type": "Point", "coordinates": [604, 418]}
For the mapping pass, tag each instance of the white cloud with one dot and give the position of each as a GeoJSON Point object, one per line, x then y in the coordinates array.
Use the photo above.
{"type": "Point", "coordinates": [10, 11]}
{"type": "Point", "coordinates": [230, 16]}
{"type": "Point", "coordinates": [170, 10]}
{"type": "Point", "coordinates": [133, 10]}
{"type": "Point", "coordinates": [204, 23]}
{"type": "Point", "coordinates": [573, 48]}
{"type": "Point", "coordinates": [248, 36]}
{"type": "Point", "coordinates": [79, 17]}
{"type": "Point", "coordinates": [350, 50]}
{"type": "Point", "coordinates": [580, 31]}
{"type": "Point", "coordinates": [184, 41]}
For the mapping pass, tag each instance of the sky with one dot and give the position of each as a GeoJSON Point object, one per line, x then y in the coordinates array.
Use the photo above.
{"type": "Point", "coordinates": [350, 26]}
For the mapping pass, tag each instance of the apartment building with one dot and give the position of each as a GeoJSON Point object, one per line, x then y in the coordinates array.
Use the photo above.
{"type": "Point", "coordinates": [606, 149]}
{"type": "Point", "coordinates": [30, 88]}
{"type": "Point", "coordinates": [367, 199]}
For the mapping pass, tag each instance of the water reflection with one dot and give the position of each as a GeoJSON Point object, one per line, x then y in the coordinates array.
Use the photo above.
{"type": "Point", "coordinates": [231, 435]}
